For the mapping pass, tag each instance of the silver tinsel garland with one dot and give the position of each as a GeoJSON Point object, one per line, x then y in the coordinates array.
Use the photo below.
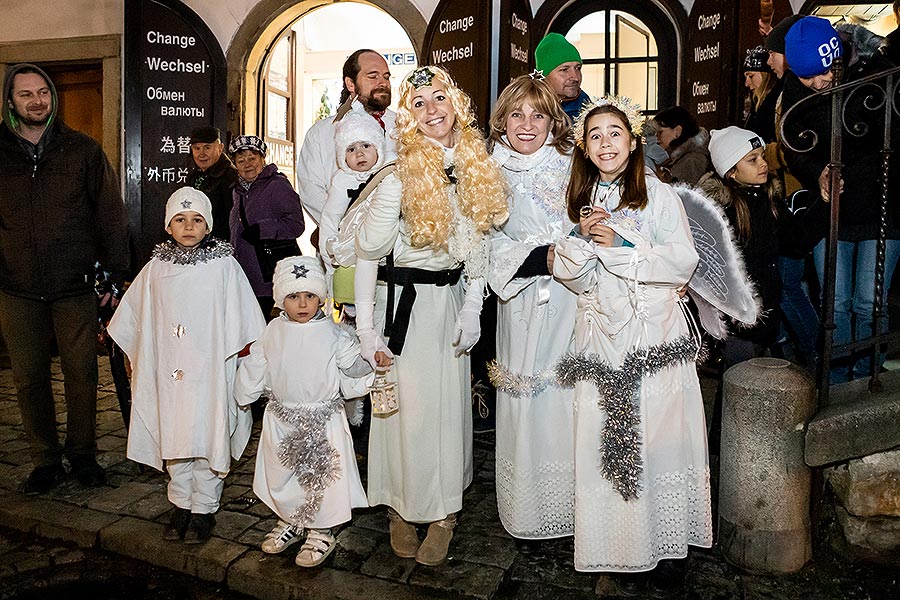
{"type": "Point", "coordinates": [620, 442]}
{"type": "Point", "coordinates": [307, 452]}
{"type": "Point", "coordinates": [205, 251]}
{"type": "Point", "coordinates": [520, 386]}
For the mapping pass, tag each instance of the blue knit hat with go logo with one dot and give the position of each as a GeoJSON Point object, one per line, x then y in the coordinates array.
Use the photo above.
{"type": "Point", "coordinates": [811, 46]}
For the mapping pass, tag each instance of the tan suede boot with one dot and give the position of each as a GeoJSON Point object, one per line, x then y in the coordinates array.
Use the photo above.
{"type": "Point", "coordinates": [404, 539]}
{"type": "Point", "coordinates": [433, 550]}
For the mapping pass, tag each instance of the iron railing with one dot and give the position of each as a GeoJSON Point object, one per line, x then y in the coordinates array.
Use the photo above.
{"type": "Point", "coordinates": [876, 96]}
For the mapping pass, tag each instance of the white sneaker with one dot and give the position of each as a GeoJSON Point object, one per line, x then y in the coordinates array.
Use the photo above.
{"type": "Point", "coordinates": [318, 545]}
{"type": "Point", "coordinates": [282, 536]}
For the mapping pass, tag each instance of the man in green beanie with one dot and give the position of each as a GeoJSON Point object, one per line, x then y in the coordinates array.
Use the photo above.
{"type": "Point", "coordinates": [560, 63]}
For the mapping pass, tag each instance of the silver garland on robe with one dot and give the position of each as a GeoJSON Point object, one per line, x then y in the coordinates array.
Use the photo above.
{"type": "Point", "coordinates": [620, 441]}
{"type": "Point", "coordinates": [307, 452]}
{"type": "Point", "coordinates": [205, 251]}
{"type": "Point", "coordinates": [520, 386]}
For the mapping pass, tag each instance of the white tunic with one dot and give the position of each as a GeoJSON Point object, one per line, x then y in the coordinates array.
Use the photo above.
{"type": "Point", "coordinates": [535, 449]}
{"type": "Point", "coordinates": [317, 162]}
{"type": "Point", "coordinates": [420, 458]}
{"type": "Point", "coordinates": [303, 365]}
{"type": "Point", "coordinates": [628, 300]}
{"type": "Point", "coordinates": [182, 326]}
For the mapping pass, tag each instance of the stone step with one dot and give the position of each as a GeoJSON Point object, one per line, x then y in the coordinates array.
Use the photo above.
{"type": "Point", "coordinates": [856, 422]}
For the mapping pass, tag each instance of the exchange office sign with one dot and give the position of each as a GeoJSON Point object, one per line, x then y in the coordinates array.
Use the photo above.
{"type": "Point", "coordinates": [174, 82]}
{"type": "Point", "coordinates": [458, 39]}
{"type": "Point", "coordinates": [515, 41]}
{"type": "Point", "coordinates": [710, 27]}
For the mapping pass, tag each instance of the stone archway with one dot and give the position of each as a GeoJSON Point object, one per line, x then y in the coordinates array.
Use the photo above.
{"type": "Point", "coordinates": [264, 24]}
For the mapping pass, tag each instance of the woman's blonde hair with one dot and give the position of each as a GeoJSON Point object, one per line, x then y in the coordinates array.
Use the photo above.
{"type": "Point", "coordinates": [767, 83]}
{"type": "Point", "coordinates": [481, 187]}
{"type": "Point", "coordinates": [542, 99]}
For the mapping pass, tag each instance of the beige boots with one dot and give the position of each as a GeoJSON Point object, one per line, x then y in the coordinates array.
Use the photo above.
{"type": "Point", "coordinates": [433, 549]}
{"type": "Point", "coordinates": [404, 540]}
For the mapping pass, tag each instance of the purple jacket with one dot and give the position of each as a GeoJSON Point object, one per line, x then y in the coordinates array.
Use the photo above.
{"type": "Point", "coordinates": [271, 203]}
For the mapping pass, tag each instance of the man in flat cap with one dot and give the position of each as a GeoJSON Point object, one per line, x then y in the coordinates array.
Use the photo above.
{"type": "Point", "coordinates": [214, 175]}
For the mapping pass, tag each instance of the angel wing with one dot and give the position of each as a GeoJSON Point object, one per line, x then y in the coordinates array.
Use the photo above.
{"type": "Point", "coordinates": [720, 283]}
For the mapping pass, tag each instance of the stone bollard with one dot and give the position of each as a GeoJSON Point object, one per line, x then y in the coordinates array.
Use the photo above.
{"type": "Point", "coordinates": [764, 483]}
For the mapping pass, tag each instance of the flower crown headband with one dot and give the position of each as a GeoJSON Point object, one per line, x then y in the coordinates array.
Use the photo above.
{"type": "Point", "coordinates": [628, 106]}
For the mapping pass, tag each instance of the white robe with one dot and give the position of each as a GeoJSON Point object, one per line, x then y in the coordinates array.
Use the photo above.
{"type": "Point", "coordinates": [420, 458]}
{"type": "Point", "coordinates": [303, 365]}
{"type": "Point", "coordinates": [317, 161]}
{"type": "Point", "coordinates": [182, 326]}
{"type": "Point", "coordinates": [535, 449]}
{"type": "Point", "coordinates": [628, 300]}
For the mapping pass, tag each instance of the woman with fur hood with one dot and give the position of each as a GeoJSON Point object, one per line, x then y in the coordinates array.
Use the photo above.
{"type": "Point", "coordinates": [752, 200]}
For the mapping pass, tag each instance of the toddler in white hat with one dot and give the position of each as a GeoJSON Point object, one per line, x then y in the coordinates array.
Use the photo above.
{"type": "Point", "coordinates": [307, 364]}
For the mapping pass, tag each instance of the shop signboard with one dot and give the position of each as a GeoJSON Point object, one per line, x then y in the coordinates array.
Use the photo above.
{"type": "Point", "coordinates": [708, 72]}
{"type": "Point", "coordinates": [174, 82]}
{"type": "Point", "coordinates": [516, 57]}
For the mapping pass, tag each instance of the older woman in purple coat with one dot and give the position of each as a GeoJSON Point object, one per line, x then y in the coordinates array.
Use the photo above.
{"type": "Point", "coordinates": [266, 207]}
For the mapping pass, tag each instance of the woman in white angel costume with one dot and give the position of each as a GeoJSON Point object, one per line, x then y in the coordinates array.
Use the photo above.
{"type": "Point", "coordinates": [429, 220]}
{"type": "Point", "coordinates": [646, 496]}
{"type": "Point", "coordinates": [535, 449]}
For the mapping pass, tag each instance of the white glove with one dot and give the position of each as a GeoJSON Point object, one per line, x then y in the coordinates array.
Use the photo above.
{"type": "Point", "coordinates": [468, 323]}
{"type": "Point", "coordinates": [364, 291]}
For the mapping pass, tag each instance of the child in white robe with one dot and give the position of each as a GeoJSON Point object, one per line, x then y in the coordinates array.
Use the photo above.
{"type": "Point", "coordinates": [182, 323]}
{"type": "Point", "coordinates": [305, 466]}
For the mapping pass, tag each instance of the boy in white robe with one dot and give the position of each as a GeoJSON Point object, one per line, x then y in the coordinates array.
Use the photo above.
{"type": "Point", "coordinates": [307, 364]}
{"type": "Point", "coordinates": [182, 323]}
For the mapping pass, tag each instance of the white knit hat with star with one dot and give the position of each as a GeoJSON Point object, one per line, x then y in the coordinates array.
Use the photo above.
{"type": "Point", "coordinates": [296, 274]}
{"type": "Point", "coordinates": [188, 199]}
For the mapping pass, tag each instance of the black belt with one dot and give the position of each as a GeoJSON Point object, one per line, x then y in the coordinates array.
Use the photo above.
{"type": "Point", "coordinates": [395, 326]}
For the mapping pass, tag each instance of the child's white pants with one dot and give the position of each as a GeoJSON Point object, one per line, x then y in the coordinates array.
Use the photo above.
{"type": "Point", "coordinates": [194, 486]}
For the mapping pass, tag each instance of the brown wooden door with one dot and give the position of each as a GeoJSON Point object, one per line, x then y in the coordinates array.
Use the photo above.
{"type": "Point", "coordinates": [80, 90]}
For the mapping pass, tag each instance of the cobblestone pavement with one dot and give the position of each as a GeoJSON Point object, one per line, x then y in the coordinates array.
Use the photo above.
{"type": "Point", "coordinates": [107, 543]}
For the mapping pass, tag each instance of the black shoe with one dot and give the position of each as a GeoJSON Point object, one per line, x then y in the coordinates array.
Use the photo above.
{"type": "Point", "coordinates": [199, 528]}
{"type": "Point", "coordinates": [87, 471]}
{"type": "Point", "coordinates": [178, 524]}
{"type": "Point", "coordinates": [630, 585]}
{"type": "Point", "coordinates": [43, 479]}
{"type": "Point", "coordinates": [667, 579]}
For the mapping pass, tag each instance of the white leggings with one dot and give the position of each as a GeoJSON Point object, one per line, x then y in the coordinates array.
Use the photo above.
{"type": "Point", "coordinates": [194, 486]}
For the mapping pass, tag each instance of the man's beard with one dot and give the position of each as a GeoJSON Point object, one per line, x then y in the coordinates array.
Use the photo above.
{"type": "Point", "coordinates": [29, 122]}
{"type": "Point", "coordinates": [378, 102]}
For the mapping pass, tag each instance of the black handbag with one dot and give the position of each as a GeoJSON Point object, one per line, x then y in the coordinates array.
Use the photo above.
{"type": "Point", "coordinates": [269, 252]}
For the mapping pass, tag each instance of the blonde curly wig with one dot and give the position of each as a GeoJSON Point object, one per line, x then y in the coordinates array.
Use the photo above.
{"type": "Point", "coordinates": [481, 187]}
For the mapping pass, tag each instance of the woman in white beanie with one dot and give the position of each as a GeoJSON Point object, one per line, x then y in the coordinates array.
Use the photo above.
{"type": "Point", "coordinates": [752, 200]}
{"type": "Point", "coordinates": [182, 323]}
{"type": "Point", "coordinates": [306, 466]}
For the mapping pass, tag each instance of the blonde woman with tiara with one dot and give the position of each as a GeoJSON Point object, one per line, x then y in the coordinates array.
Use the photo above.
{"type": "Point", "coordinates": [535, 450]}
{"type": "Point", "coordinates": [428, 226]}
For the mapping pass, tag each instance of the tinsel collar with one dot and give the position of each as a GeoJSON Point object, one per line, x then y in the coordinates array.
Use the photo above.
{"type": "Point", "coordinates": [628, 106]}
{"type": "Point", "coordinates": [207, 250]}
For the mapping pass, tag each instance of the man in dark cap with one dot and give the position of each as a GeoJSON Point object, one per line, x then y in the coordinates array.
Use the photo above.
{"type": "Point", "coordinates": [775, 44]}
{"type": "Point", "coordinates": [214, 175]}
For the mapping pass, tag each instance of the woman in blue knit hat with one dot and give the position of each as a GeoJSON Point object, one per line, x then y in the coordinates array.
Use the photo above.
{"type": "Point", "coordinates": [811, 47]}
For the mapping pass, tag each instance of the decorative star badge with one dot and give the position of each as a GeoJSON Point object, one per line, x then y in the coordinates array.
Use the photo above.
{"type": "Point", "coordinates": [300, 271]}
{"type": "Point", "coordinates": [537, 74]}
{"type": "Point", "coordinates": [421, 77]}
{"type": "Point", "coordinates": [186, 203]}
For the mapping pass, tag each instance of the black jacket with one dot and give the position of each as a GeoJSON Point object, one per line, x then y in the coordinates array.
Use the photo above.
{"type": "Point", "coordinates": [217, 183]}
{"type": "Point", "coordinates": [60, 211]}
{"type": "Point", "coordinates": [861, 151]}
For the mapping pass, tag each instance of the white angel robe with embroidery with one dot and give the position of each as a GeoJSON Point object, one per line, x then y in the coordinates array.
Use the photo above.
{"type": "Point", "coordinates": [420, 458]}
{"type": "Point", "coordinates": [182, 326]}
{"type": "Point", "coordinates": [535, 449]}
{"type": "Point", "coordinates": [305, 365]}
{"type": "Point", "coordinates": [628, 300]}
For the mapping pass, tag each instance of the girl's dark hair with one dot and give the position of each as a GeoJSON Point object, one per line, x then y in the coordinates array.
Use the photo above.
{"type": "Point", "coordinates": [675, 116]}
{"type": "Point", "coordinates": [741, 210]}
{"type": "Point", "coordinates": [585, 173]}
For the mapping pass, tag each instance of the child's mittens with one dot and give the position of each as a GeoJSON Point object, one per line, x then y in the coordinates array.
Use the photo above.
{"type": "Point", "coordinates": [354, 410]}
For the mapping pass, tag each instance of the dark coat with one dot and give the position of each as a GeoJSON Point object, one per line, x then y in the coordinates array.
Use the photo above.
{"type": "Point", "coordinates": [760, 250]}
{"type": "Point", "coordinates": [861, 154]}
{"type": "Point", "coordinates": [271, 208]}
{"type": "Point", "coordinates": [59, 214]}
{"type": "Point", "coordinates": [217, 183]}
